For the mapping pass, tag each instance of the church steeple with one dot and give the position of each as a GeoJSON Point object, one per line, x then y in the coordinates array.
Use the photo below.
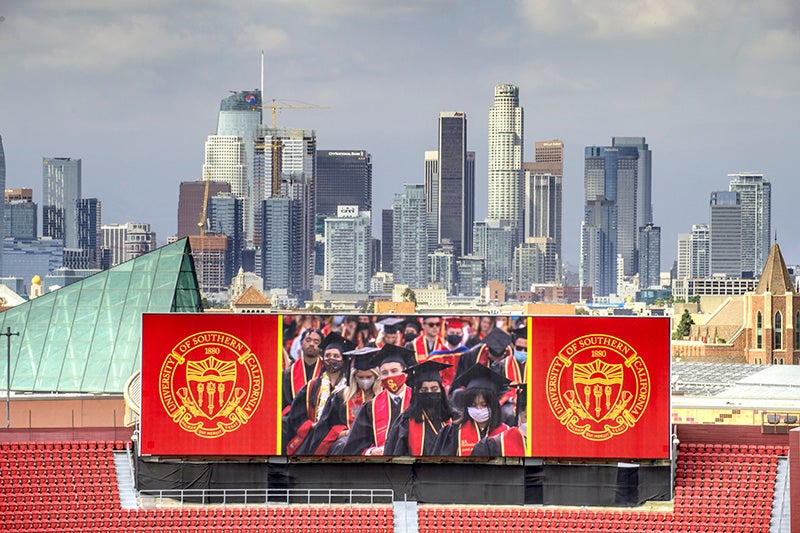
{"type": "Point", "coordinates": [775, 277]}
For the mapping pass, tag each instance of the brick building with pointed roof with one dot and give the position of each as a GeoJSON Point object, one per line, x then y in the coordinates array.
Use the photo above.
{"type": "Point", "coordinates": [761, 327]}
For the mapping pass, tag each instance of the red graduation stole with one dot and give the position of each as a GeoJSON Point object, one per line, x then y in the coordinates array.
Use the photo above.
{"type": "Point", "coordinates": [351, 407]}
{"type": "Point", "coordinates": [416, 438]}
{"type": "Point", "coordinates": [512, 443]}
{"type": "Point", "coordinates": [382, 413]}
{"type": "Point", "coordinates": [469, 435]}
{"type": "Point", "coordinates": [421, 348]}
{"type": "Point", "coordinates": [299, 377]}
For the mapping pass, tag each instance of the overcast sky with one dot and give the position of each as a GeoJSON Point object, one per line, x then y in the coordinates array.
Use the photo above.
{"type": "Point", "coordinates": [132, 87]}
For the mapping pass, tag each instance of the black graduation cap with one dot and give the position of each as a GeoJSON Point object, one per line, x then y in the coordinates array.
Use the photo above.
{"type": "Point", "coordinates": [522, 395]}
{"type": "Point", "coordinates": [362, 358]}
{"type": "Point", "coordinates": [497, 340]}
{"type": "Point", "coordinates": [413, 322]}
{"type": "Point", "coordinates": [427, 371]}
{"type": "Point", "coordinates": [393, 354]}
{"type": "Point", "coordinates": [481, 377]}
{"type": "Point", "coordinates": [521, 333]}
{"type": "Point", "coordinates": [334, 340]}
{"type": "Point", "coordinates": [392, 325]}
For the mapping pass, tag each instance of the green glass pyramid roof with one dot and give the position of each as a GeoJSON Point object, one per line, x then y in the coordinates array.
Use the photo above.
{"type": "Point", "coordinates": [86, 337]}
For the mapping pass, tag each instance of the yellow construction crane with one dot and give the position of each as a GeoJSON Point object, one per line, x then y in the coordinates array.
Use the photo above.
{"type": "Point", "coordinates": [202, 222]}
{"type": "Point", "coordinates": [275, 106]}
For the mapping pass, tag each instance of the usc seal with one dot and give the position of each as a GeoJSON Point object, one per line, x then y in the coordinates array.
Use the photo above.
{"type": "Point", "coordinates": [598, 387]}
{"type": "Point", "coordinates": [210, 384]}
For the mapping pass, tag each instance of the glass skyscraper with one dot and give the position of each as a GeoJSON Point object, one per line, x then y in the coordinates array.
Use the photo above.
{"type": "Point", "coordinates": [344, 177]}
{"type": "Point", "coordinates": [755, 199]}
{"type": "Point", "coordinates": [409, 239]}
{"type": "Point", "coordinates": [725, 234]}
{"type": "Point", "coordinates": [61, 188]}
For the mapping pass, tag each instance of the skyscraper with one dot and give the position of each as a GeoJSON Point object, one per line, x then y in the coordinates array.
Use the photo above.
{"type": "Point", "coordinates": [239, 116]}
{"type": "Point", "coordinates": [494, 241]}
{"type": "Point", "coordinates": [226, 162]}
{"type": "Point", "coordinates": [225, 218]}
{"type": "Point", "coordinates": [755, 199]}
{"type": "Point", "coordinates": [456, 183]}
{"type": "Point", "coordinates": [281, 225]}
{"type": "Point", "coordinates": [19, 214]}
{"type": "Point", "coordinates": [725, 234]}
{"type": "Point", "coordinates": [431, 185]}
{"type": "Point", "coordinates": [548, 158]}
{"type": "Point", "coordinates": [344, 177]}
{"type": "Point", "coordinates": [644, 177]}
{"type": "Point", "coordinates": [700, 251]}
{"type": "Point", "coordinates": [285, 167]}
{"type": "Point", "coordinates": [191, 197]}
{"type": "Point", "coordinates": [61, 187]}
{"type": "Point", "coordinates": [387, 240]}
{"type": "Point", "coordinates": [598, 259]}
{"type": "Point", "coordinates": [90, 237]}
{"type": "Point", "coordinates": [543, 206]}
{"type": "Point", "coordinates": [410, 242]}
{"type": "Point", "coordinates": [505, 157]}
{"type": "Point", "coordinates": [535, 262]}
{"type": "Point", "coordinates": [348, 250]}
{"type": "Point", "coordinates": [127, 241]}
{"type": "Point", "coordinates": [649, 256]}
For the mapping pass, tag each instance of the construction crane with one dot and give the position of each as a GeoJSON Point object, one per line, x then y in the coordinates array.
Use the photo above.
{"type": "Point", "coordinates": [203, 211]}
{"type": "Point", "coordinates": [275, 106]}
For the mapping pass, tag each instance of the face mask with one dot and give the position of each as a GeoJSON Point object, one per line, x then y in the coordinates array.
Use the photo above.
{"type": "Point", "coordinates": [479, 414]}
{"type": "Point", "coordinates": [333, 366]}
{"type": "Point", "coordinates": [523, 428]}
{"type": "Point", "coordinates": [408, 337]}
{"type": "Point", "coordinates": [452, 340]}
{"type": "Point", "coordinates": [394, 383]}
{"type": "Point", "coordinates": [366, 383]}
{"type": "Point", "coordinates": [338, 320]}
{"type": "Point", "coordinates": [521, 357]}
{"type": "Point", "coordinates": [428, 399]}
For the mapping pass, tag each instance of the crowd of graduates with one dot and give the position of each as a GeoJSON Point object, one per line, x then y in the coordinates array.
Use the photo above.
{"type": "Point", "coordinates": [404, 386]}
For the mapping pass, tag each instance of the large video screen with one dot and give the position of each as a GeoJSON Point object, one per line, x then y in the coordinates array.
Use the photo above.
{"type": "Point", "coordinates": [421, 386]}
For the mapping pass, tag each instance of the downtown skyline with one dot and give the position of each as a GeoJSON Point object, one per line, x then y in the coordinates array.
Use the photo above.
{"type": "Point", "coordinates": [705, 114]}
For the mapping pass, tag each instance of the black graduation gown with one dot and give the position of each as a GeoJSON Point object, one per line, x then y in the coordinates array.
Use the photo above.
{"type": "Point", "coordinates": [333, 414]}
{"type": "Point", "coordinates": [397, 439]}
{"type": "Point", "coordinates": [361, 434]}
{"type": "Point", "coordinates": [447, 442]}
{"type": "Point", "coordinates": [486, 448]}
{"type": "Point", "coordinates": [287, 382]}
{"type": "Point", "coordinates": [298, 413]}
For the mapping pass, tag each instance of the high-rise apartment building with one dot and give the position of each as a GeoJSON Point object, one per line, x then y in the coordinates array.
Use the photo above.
{"type": "Point", "coordinates": [432, 197]}
{"type": "Point", "coordinates": [225, 218]}
{"type": "Point", "coordinates": [442, 268]}
{"type": "Point", "coordinates": [494, 241]}
{"type": "Point", "coordinates": [700, 251]}
{"type": "Point", "coordinates": [344, 177]}
{"type": "Point", "coordinates": [61, 187]}
{"type": "Point", "coordinates": [191, 197]}
{"type": "Point", "coordinates": [348, 250]}
{"type": "Point", "coordinates": [285, 167]}
{"type": "Point", "coordinates": [88, 212]}
{"type": "Point", "coordinates": [725, 234]}
{"type": "Point", "coordinates": [127, 241]}
{"type": "Point", "coordinates": [755, 199]}
{"type": "Point", "coordinates": [649, 256]}
{"type": "Point", "coordinates": [409, 235]}
{"type": "Point", "coordinates": [683, 264]}
{"type": "Point", "coordinates": [535, 263]}
{"type": "Point", "coordinates": [239, 116]}
{"type": "Point", "coordinates": [505, 157]}
{"type": "Point", "coordinates": [471, 275]}
{"type": "Point", "coordinates": [281, 225]}
{"type": "Point", "coordinates": [387, 240]}
{"type": "Point", "coordinates": [19, 214]}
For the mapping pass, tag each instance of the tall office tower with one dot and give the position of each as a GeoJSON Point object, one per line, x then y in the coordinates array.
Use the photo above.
{"type": "Point", "coordinates": [505, 158]}
{"type": "Point", "coordinates": [281, 224]}
{"type": "Point", "coordinates": [649, 256]}
{"type": "Point", "coordinates": [535, 262]}
{"type": "Point", "coordinates": [226, 162]}
{"type": "Point", "coordinates": [410, 240]}
{"type": "Point", "coordinates": [725, 234]}
{"type": "Point", "coordinates": [456, 183]}
{"type": "Point", "coordinates": [192, 195]}
{"type": "Point", "coordinates": [644, 177]}
{"type": "Point", "coordinates": [387, 241]}
{"type": "Point", "coordinates": [348, 254]}
{"type": "Point", "coordinates": [225, 218]}
{"type": "Point", "coordinates": [548, 158]}
{"type": "Point", "coordinates": [494, 241]}
{"type": "Point", "coordinates": [239, 116]}
{"type": "Point", "coordinates": [700, 251]}
{"type": "Point", "coordinates": [285, 166]}
{"type": "Point", "coordinates": [432, 197]}
{"type": "Point", "coordinates": [61, 187]}
{"type": "Point", "coordinates": [598, 261]}
{"type": "Point", "coordinates": [90, 237]}
{"type": "Point", "coordinates": [755, 198]}
{"type": "Point", "coordinates": [344, 177]}
{"type": "Point", "coordinates": [683, 265]}
{"type": "Point", "coordinates": [442, 268]}
{"type": "Point", "coordinates": [19, 215]}
{"type": "Point", "coordinates": [610, 175]}
{"type": "Point", "coordinates": [543, 206]}
{"type": "Point", "coordinates": [2, 208]}
{"type": "Point", "coordinates": [471, 275]}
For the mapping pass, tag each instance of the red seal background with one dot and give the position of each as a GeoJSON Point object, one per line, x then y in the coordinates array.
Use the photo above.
{"type": "Point", "coordinates": [160, 435]}
{"type": "Point", "coordinates": [650, 437]}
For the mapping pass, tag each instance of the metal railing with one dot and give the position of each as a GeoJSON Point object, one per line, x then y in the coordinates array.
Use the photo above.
{"type": "Point", "coordinates": [159, 498]}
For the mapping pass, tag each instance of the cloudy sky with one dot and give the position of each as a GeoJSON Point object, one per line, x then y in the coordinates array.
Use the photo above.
{"type": "Point", "coordinates": [132, 87]}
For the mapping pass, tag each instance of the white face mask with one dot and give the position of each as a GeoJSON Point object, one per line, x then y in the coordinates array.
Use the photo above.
{"type": "Point", "coordinates": [366, 383]}
{"type": "Point", "coordinates": [479, 414]}
{"type": "Point", "coordinates": [523, 428]}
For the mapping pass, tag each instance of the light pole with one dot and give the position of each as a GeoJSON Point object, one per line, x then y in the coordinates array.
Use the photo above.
{"type": "Point", "coordinates": [8, 335]}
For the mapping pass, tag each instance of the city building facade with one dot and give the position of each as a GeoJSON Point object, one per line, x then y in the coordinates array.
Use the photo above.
{"type": "Point", "coordinates": [61, 188]}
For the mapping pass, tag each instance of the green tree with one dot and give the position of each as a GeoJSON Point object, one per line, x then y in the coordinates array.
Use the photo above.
{"type": "Point", "coordinates": [409, 296]}
{"type": "Point", "coordinates": [695, 299]}
{"type": "Point", "coordinates": [684, 326]}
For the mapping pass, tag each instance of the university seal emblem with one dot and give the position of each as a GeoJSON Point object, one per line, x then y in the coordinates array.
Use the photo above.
{"type": "Point", "coordinates": [598, 387]}
{"type": "Point", "coordinates": [210, 384]}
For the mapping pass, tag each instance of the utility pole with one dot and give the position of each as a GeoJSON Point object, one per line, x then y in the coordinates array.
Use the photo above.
{"type": "Point", "coordinates": [8, 335]}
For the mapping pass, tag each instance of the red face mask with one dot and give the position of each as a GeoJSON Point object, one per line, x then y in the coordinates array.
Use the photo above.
{"type": "Point", "coordinates": [394, 383]}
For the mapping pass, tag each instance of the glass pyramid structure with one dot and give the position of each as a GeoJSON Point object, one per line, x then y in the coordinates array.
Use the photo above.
{"type": "Point", "coordinates": [86, 337]}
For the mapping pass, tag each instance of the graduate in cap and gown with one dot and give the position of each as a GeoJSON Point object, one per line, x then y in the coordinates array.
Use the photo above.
{"type": "Point", "coordinates": [415, 431]}
{"type": "Point", "coordinates": [307, 406]}
{"type": "Point", "coordinates": [333, 427]}
{"type": "Point", "coordinates": [431, 339]}
{"type": "Point", "coordinates": [371, 425]}
{"type": "Point", "coordinates": [480, 412]}
{"type": "Point", "coordinates": [509, 443]}
{"type": "Point", "coordinates": [392, 332]}
{"type": "Point", "coordinates": [307, 366]}
{"type": "Point", "coordinates": [453, 348]}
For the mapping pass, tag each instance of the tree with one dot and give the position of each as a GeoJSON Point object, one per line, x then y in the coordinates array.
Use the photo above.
{"type": "Point", "coordinates": [695, 299]}
{"type": "Point", "coordinates": [409, 296]}
{"type": "Point", "coordinates": [684, 326]}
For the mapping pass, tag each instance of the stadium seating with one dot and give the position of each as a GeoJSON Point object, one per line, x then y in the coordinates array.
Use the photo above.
{"type": "Point", "coordinates": [72, 486]}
